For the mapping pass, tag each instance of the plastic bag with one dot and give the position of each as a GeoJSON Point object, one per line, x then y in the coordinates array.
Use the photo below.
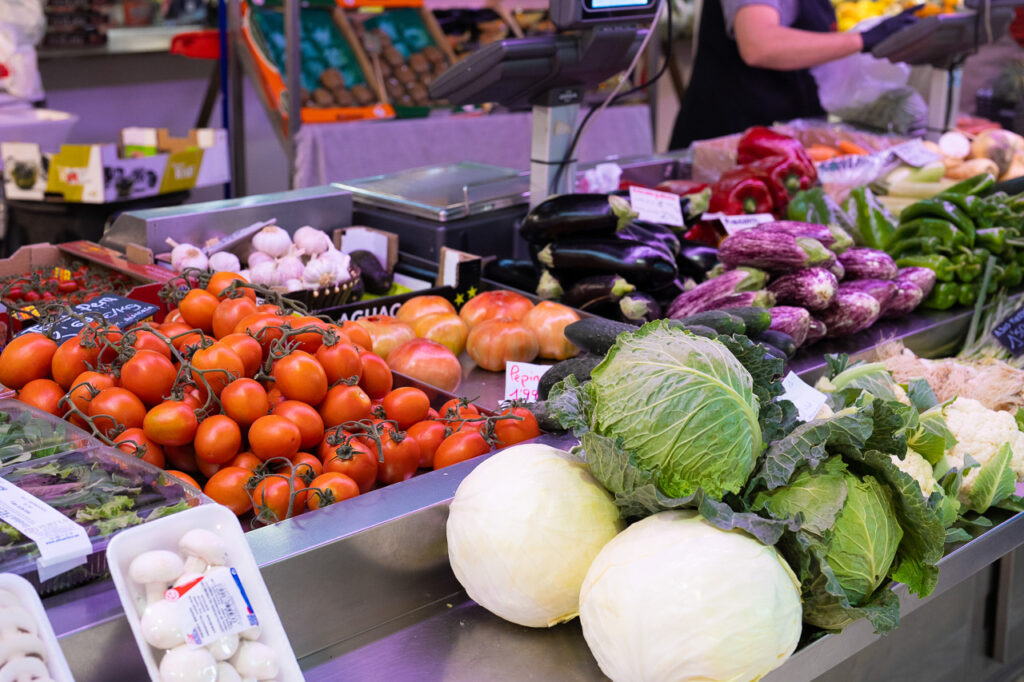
{"type": "Point", "coordinates": [857, 80]}
{"type": "Point", "coordinates": [22, 25]}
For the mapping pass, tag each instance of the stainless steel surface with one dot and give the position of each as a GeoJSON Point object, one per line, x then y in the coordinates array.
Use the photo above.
{"type": "Point", "coordinates": [1004, 600]}
{"type": "Point", "coordinates": [443, 193]}
{"type": "Point", "coordinates": [553, 130]}
{"type": "Point", "coordinates": [293, 66]}
{"type": "Point", "coordinates": [236, 55]}
{"type": "Point", "coordinates": [324, 207]}
{"type": "Point", "coordinates": [124, 40]}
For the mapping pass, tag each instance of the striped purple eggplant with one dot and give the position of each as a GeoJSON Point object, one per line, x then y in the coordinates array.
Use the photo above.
{"type": "Point", "coordinates": [924, 278]}
{"type": "Point", "coordinates": [864, 263]}
{"type": "Point", "coordinates": [882, 290]}
{"type": "Point", "coordinates": [831, 237]}
{"type": "Point", "coordinates": [811, 288]}
{"type": "Point", "coordinates": [908, 297]}
{"type": "Point", "coordinates": [850, 312]}
{"type": "Point", "coordinates": [791, 320]}
{"type": "Point", "coordinates": [704, 295]}
{"type": "Point", "coordinates": [771, 250]}
{"type": "Point", "coordinates": [816, 330]}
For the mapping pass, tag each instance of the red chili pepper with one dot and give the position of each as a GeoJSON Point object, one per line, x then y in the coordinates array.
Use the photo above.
{"type": "Point", "coordinates": [785, 177]}
{"type": "Point", "coordinates": [741, 191]}
{"type": "Point", "coordinates": [760, 142]}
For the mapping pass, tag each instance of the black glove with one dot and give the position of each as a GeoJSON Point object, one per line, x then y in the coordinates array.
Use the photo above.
{"type": "Point", "coordinates": [873, 36]}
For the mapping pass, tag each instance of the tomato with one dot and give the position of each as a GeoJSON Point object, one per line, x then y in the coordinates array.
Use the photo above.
{"type": "Point", "coordinates": [218, 439]}
{"type": "Point", "coordinates": [344, 404]}
{"type": "Point", "coordinates": [227, 487]}
{"type": "Point", "coordinates": [422, 306]}
{"type": "Point", "coordinates": [355, 460]}
{"type": "Point", "coordinates": [194, 398]}
{"type": "Point", "coordinates": [309, 421]}
{"type": "Point", "coordinates": [136, 443]}
{"type": "Point", "coordinates": [386, 332]}
{"type": "Point", "coordinates": [274, 436]}
{"type": "Point", "coordinates": [429, 362]}
{"type": "Point", "coordinates": [44, 394]}
{"type": "Point", "coordinates": [181, 457]}
{"type": "Point", "coordinates": [173, 316]}
{"type": "Point", "coordinates": [229, 313]}
{"type": "Point", "coordinates": [274, 396]}
{"type": "Point", "coordinates": [376, 379]}
{"type": "Point", "coordinates": [276, 498]}
{"type": "Point", "coordinates": [226, 363]}
{"type": "Point", "coordinates": [458, 407]}
{"type": "Point", "coordinates": [245, 401]}
{"type": "Point", "coordinates": [329, 488]}
{"type": "Point", "coordinates": [220, 281]}
{"type": "Point", "coordinates": [512, 431]}
{"type": "Point", "coordinates": [548, 321]}
{"type": "Point", "coordinates": [255, 324]}
{"type": "Point", "coordinates": [149, 375]}
{"type": "Point", "coordinates": [81, 393]}
{"type": "Point", "coordinates": [187, 343]}
{"type": "Point", "coordinates": [429, 435]}
{"type": "Point", "coordinates": [172, 422]}
{"type": "Point", "coordinates": [307, 341]}
{"type": "Point", "coordinates": [207, 469]}
{"type": "Point", "coordinates": [146, 340]}
{"type": "Point", "coordinates": [70, 360]}
{"type": "Point", "coordinates": [248, 349]}
{"type": "Point", "coordinates": [246, 460]}
{"type": "Point", "coordinates": [401, 455]}
{"type": "Point", "coordinates": [357, 334]}
{"type": "Point", "coordinates": [301, 377]}
{"type": "Point", "coordinates": [340, 361]}
{"type": "Point", "coordinates": [178, 333]}
{"type": "Point", "coordinates": [184, 478]}
{"type": "Point", "coordinates": [447, 329]}
{"type": "Point", "coordinates": [459, 447]}
{"type": "Point", "coordinates": [106, 338]}
{"type": "Point", "coordinates": [197, 309]}
{"type": "Point", "coordinates": [306, 466]}
{"type": "Point", "coordinates": [492, 343]}
{"type": "Point", "coordinates": [491, 305]}
{"type": "Point", "coordinates": [406, 406]}
{"type": "Point", "coordinates": [120, 406]}
{"type": "Point", "coordinates": [25, 358]}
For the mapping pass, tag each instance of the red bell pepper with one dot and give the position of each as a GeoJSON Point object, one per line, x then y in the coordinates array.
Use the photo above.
{"type": "Point", "coordinates": [739, 191]}
{"type": "Point", "coordinates": [682, 187]}
{"type": "Point", "coordinates": [785, 177]}
{"type": "Point", "coordinates": [760, 142]}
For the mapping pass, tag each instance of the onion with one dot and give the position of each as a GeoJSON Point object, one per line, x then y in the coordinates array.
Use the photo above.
{"type": "Point", "coordinates": [312, 241]}
{"type": "Point", "coordinates": [955, 145]}
{"type": "Point", "coordinates": [272, 240]}
{"type": "Point", "coordinates": [225, 261]}
{"type": "Point", "coordinates": [289, 267]}
{"type": "Point", "coordinates": [257, 257]}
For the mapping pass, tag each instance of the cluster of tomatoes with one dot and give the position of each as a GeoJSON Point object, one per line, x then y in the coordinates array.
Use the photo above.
{"type": "Point", "coordinates": [73, 284]}
{"type": "Point", "coordinates": [272, 411]}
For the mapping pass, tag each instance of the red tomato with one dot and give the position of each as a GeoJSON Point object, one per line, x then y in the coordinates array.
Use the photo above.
{"type": "Point", "coordinates": [307, 341]}
{"type": "Point", "coordinates": [25, 358]}
{"type": "Point", "coordinates": [135, 442]}
{"type": "Point", "coordinates": [274, 436]}
{"type": "Point", "coordinates": [548, 321]}
{"type": "Point", "coordinates": [70, 360]}
{"type": "Point", "coordinates": [182, 457]}
{"type": "Point", "coordinates": [406, 406]}
{"type": "Point", "coordinates": [222, 366]}
{"type": "Point", "coordinates": [146, 340]}
{"type": "Point", "coordinates": [429, 362]}
{"type": "Point", "coordinates": [447, 329]}
{"type": "Point", "coordinates": [306, 467]}
{"type": "Point", "coordinates": [459, 447]}
{"type": "Point", "coordinates": [184, 478]}
{"type": "Point", "coordinates": [309, 421]}
{"type": "Point", "coordinates": [344, 404]}
{"type": "Point", "coordinates": [229, 313]}
{"type": "Point", "coordinates": [149, 375]}
{"type": "Point", "coordinates": [399, 456]}
{"type": "Point", "coordinates": [245, 401]}
{"type": "Point", "coordinates": [329, 488]}
{"type": "Point", "coordinates": [85, 385]}
{"type": "Point", "coordinates": [220, 281]}
{"type": "Point", "coordinates": [492, 343]}
{"type": "Point", "coordinates": [357, 334]}
{"type": "Point", "coordinates": [246, 460]}
{"type": "Point", "coordinates": [491, 305]}
{"type": "Point", "coordinates": [44, 394]}
{"type": "Point", "coordinates": [172, 422]}
{"type": "Point", "coordinates": [248, 349]}
{"type": "Point", "coordinates": [340, 361]}
{"type": "Point", "coordinates": [376, 379]}
{"type": "Point", "coordinates": [386, 332]}
{"type": "Point", "coordinates": [197, 309]}
{"type": "Point", "coordinates": [264, 327]}
{"type": "Point", "coordinates": [429, 435]}
{"type": "Point", "coordinates": [227, 487]}
{"type": "Point", "coordinates": [173, 316]}
{"type": "Point", "coordinates": [276, 498]}
{"type": "Point", "coordinates": [218, 439]}
{"type": "Point", "coordinates": [354, 460]}
{"type": "Point", "coordinates": [301, 377]}
{"type": "Point", "coordinates": [512, 431]}
{"type": "Point", "coordinates": [422, 306]}
{"type": "Point", "coordinates": [274, 396]}
{"type": "Point", "coordinates": [208, 469]}
{"type": "Point", "coordinates": [120, 406]}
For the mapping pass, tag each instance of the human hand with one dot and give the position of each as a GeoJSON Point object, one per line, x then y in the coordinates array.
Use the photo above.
{"type": "Point", "coordinates": [876, 34]}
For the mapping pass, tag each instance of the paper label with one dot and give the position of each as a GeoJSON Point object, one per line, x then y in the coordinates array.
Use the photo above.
{"type": "Point", "coordinates": [521, 379]}
{"type": "Point", "coordinates": [116, 310]}
{"type": "Point", "coordinates": [1010, 332]}
{"type": "Point", "coordinates": [656, 207]}
{"type": "Point", "coordinates": [212, 607]}
{"type": "Point", "coordinates": [913, 153]}
{"type": "Point", "coordinates": [807, 399]}
{"type": "Point", "coordinates": [62, 543]}
{"type": "Point", "coordinates": [738, 223]}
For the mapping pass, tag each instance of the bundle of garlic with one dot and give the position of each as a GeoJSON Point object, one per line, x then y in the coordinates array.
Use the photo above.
{"type": "Point", "coordinates": [309, 262]}
{"type": "Point", "coordinates": [24, 655]}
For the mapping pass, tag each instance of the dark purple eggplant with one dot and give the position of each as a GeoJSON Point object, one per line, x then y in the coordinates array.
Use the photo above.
{"type": "Point", "coordinates": [587, 289]}
{"type": "Point", "coordinates": [772, 251]}
{"type": "Point", "coordinates": [668, 293]}
{"type": "Point", "coordinates": [831, 237]}
{"type": "Point", "coordinates": [649, 233]}
{"type": "Point", "coordinates": [791, 320]}
{"type": "Point", "coordinates": [851, 312]}
{"type": "Point", "coordinates": [645, 266]}
{"type": "Point", "coordinates": [908, 297]}
{"type": "Point", "coordinates": [549, 288]}
{"type": "Point", "coordinates": [924, 278]}
{"type": "Point", "coordinates": [639, 307]}
{"type": "Point", "coordinates": [811, 288]}
{"type": "Point", "coordinates": [776, 339]}
{"type": "Point", "coordinates": [882, 290]}
{"type": "Point", "coordinates": [864, 263]}
{"type": "Point", "coordinates": [701, 255]}
{"type": "Point", "coordinates": [575, 216]}
{"type": "Point", "coordinates": [704, 295]}
{"type": "Point", "coordinates": [518, 274]}
{"type": "Point", "coordinates": [816, 331]}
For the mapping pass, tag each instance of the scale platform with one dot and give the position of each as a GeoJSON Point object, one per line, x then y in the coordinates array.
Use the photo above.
{"type": "Point", "coordinates": [944, 39]}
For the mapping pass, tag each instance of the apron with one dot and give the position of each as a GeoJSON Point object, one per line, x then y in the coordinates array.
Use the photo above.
{"type": "Point", "coordinates": [726, 96]}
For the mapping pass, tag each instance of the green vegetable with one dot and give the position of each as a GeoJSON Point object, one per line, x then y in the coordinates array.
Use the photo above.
{"type": "Point", "coordinates": [1013, 275]}
{"type": "Point", "coordinates": [992, 239]}
{"type": "Point", "coordinates": [973, 185]}
{"type": "Point", "coordinates": [944, 230]}
{"type": "Point", "coordinates": [815, 206]}
{"type": "Point", "coordinates": [942, 209]}
{"type": "Point", "coordinates": [995, 481]}
{"type": "Point", "coordinates": [967, 266]}
{"type": "Point", "coordinates": [968, 293]}
{"type": "Point", "coordinates": [873, 224]}
{"type": "Point", "coordinates": [937, 263]}
{"type": "Point", "coordinates": [916, 245]}
{"type": "Point", "coordinates": [943, 296]}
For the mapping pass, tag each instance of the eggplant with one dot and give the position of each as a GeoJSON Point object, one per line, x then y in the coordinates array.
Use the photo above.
{"type": "Point", "coordinates": [837, 269]}
{"type": "Point", "coordinates": [924, 278]}
{"type": "Point", "coordinates": [573, 216]}
{"type": "Point", "coordinates": [908, 297]}
{"type": "Point", "coordinates": [882, 290]}
{"type": "Point", "coordinates": [832, 237]}
{"type": "Point", "coordinates": [376, 278]}
{"type": "Point", "coordinates": [703, 296]}
{"type": "Point", "coordinates": [796, 322]}
{"type": "Point", "coordinates": [865, 263]}
{"type": "Point", "coordinates": [639, 307]}
{"type": "Point", "coordinates": [612, 287]}
{"type": "Point", "coordinates": [744, 299]}
{"type": "Point", "coordinates": [651, 233]}
{"type": "Point", "coordinates": [850, 312]}
{"type": "Point", "coordinates": [811, 288]}
{"type": "Point", "coordinates": [772, 251]}
{"type": "Point", "coordinates": [816, 331]}
{"type": "Point", "coordinates": [549, 288]}
{"type": "Point", "coordinates": [644, 265]}
{"type": "Point", "coordinates": [668, 293]}
{"type": "Point", "coordinates": [518, 274]}
{"type": "Point", "coordinates": [781, 340]}
{"type": "Point", "coordinates": [702, 256]}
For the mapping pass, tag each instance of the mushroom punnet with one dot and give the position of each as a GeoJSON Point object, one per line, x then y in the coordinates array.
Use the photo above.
{"type": "Point", "coordinates": [156, 570]}
{"type": "Point", "coordinates": [204, 548]}
{"type": "Point", "coordinates": [160, 626]}
{"type": "Point", "coordinates": [183, 664]}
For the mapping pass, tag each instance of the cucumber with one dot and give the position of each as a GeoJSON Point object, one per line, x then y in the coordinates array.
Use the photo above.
{"type": "Point", "coordinates": [595, 334]}
{"type": "Point", "coordinates": [721, 321]}
{"type": "Point", "coordinates": [579, 367]}
{"type": "Point", "coordinates": [783, 342]}
{"type": "Point", "coordinates": [701, 330]}
{"type": "Point", "coordinates": [756, 319]}
{"type": "Point", "coordinates": [544, 419]}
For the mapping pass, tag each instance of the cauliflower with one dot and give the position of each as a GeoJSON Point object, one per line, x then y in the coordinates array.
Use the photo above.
{"type": "Point", "coordinates": [918, 468]}
{"type": "Point", "coordinates": [980, 432]}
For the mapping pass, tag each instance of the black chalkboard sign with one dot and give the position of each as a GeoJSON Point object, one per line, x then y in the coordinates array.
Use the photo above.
{"type": "Point", "coordinates": [1010, 332]}
{"type": "Point", "coordinates": [116, 310]}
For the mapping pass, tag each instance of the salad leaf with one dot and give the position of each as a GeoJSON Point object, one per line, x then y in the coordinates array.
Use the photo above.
{"type": "Point", "coordinates": [995, 482]}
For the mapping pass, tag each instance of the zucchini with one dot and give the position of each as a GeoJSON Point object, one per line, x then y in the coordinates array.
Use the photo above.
{"type": "Point", "coordinates": [596, 335]}
{"type": "Point", "coordinates": [755, 319]}
{"type": "Point", "coordinates": [579, 367]}
{"type": "Point", "coordinates": [721, 321]}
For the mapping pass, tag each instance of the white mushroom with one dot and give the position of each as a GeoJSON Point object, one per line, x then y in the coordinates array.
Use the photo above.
{"type": "Point", "coordinates": [156, 570]}
{"type": "Point", "coordinates": [25, 669]}
{"type": "Point", "coordinates": [13, 619]}
{"type": "Point", "coordinates": [183, 664]}
{"type": "Point", "coordinates": [224, 648]}
{"type": "Point", "coordinates": [252, 634]}
{"type": "Point", "coordinates": [8, 599]}
{"type": "Point", "coordinates": [225, 673]}
{"type": "Point", "coordinates": [186, 578]}
{"type": "Point", "coordinates": [204, 548]}
{"type": "Point", "coordinates": [160, 625]}
{"type": "Point", "coordinates": [255, 659]}
{"type": "Point", "coordinates": [20, 644]}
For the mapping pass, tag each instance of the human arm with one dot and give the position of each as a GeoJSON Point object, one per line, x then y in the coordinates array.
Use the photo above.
{"type": "Point", "coordinates": [765, 43]}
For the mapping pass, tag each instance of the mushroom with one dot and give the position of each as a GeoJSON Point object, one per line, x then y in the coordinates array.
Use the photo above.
{"type": "Point", "coordinates": [25, 669]}
{"type": "Point", "coordinates": [204, 549]}
{"type": "Point", "coordinates": [182, 664]}
{"type": "Point", "coordinates": [252, 634]}
{"type": "Point", "coordinates": [8, 598]}
{"type": "Point", "coordinates": [160, 626]}
{"type": "Point", "coordinates": [225, 673]}
{"type": "Point", "coordinates": [16, 618]}
{"type": "Point", "coordinates": [156, 570]}
{"type": "Point", "coordinates": [224, 648]}
{"type": "Point", "coordinates": [255, 659]}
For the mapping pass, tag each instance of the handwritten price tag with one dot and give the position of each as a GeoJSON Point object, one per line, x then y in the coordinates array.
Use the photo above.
{"type": "Point", "coordinates": [656, 207]}
{"type": "Point", "coordinates": [737, 223]}
{"type": "Point", "coordinates": [807, 399]}
{"type": "Point", "coordinates": [521, 379]}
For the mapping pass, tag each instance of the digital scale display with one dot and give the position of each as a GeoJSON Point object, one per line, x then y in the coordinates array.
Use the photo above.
{"type": "Point", "coordinates": [615, 4]}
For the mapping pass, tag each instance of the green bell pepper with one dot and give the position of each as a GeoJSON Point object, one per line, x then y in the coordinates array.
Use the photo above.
{"type": "Point", "coordinates": [968, 293]}
{"type": "Point", "coordinates": [942, 297]}
{"type": "Point", "coordinates": [944, 210]}
{"type": "Point", "coordinates": [973, 185]}
{"type": "Point", "coordinates": [873, 223]}
{"type": "Point", "coordinates": [968, 266]}
{"type": "Point", "coordinates": [1013, 275]}
{"type": "Point", "coordinates": [992, 239]}
{"type": "Point", "coordinates": [916, 245]}
{"type": "Point", "coordinates": [945, 231]}
{"type": "Point", "coordinates": [937, 263]}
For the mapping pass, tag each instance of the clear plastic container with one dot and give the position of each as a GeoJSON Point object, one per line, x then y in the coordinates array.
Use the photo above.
{"type": "Point", "coordinates": [27, 433]}
{"type": "Point", "coordinates": [56, 664]}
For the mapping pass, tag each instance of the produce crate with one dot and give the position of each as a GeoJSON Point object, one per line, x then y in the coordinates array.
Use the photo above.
{"type": "Point", "coordinates": [1010, 115]}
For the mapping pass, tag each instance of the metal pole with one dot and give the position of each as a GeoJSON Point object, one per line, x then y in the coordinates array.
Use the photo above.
{"type": "Point", "coordinates": [234, 102]}
{"type": "Point", "coordinates": [553, 129]}
{"type": "Point", "coordinates": [293, 44]}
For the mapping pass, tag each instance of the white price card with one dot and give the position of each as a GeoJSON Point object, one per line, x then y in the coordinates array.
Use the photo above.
{"type": "Point", "coordinates": [62, 543]}
{"type": "Point", "coordinates": [656, 207]}
{"type": "Point", "coordinates": [212, 606]}
{"type": "Point", "coordinates": [738, 223]}
{"type": "Point", "coordinates": [521, 379]}
{"type": "Point", "coordinates": [807, 399]}
{"type": "Point", "coordinates": [914, 153]}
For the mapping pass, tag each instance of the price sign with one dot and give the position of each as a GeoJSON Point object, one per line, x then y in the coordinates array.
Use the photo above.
{"type": "Point", "coordinates": [807, 399]}
{"type": "Point", "coordinates": [737, 223]}
{"type": "Point", "coordinates": [116, 310]}
{"type": "Point", "coordinates": [653, 206]}
{"type": "Point", "coordinates": [1010, 332]}
{"type": "Point", "coordinates": [521, 379]}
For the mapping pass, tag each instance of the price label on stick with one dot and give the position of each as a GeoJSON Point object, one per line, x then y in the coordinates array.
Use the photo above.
{"type": "Point", "coordinates": [1010, 332]}
{"type": "Point", "coordinates": [521, 379]}
{"type": "Point", "coordinates": [656, 207]}
{"type": "Point", "coordinates": [807, 399]}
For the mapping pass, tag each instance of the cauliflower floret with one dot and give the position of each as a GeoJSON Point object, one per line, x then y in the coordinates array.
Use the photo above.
{"type": "Point", "coordinates": [980, 432]}
{"type": "Point", "coordinates": [918, 468]}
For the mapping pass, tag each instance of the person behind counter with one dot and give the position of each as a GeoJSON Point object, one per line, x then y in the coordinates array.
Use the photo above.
{"type": "Point", "coordinates": [753, 63]}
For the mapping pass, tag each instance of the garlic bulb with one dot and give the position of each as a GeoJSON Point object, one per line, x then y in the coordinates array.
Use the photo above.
{"type": "Point", "coordinates": [225, 261]}
{"type": "Point", "coordinates": [244, 274]}
{"type": "Point", "coordinates": [292, 285]}
{"type": "Point", "coordinates": [190, 258]}
{"type": "Point", "coordinates": [319, 273]}
{"type": "Point", "coordinates": [266, 274]}
{"type": "Point", "coordinates": [289, 267]}
{"type": "Point", "coordinates": [272, 240]}
{"type": "Point", "coordinates": [257, 257]}
{"type": "Point", "coordinates": [340, 261]}
{"type": "Point", "coordinates": [180, 252]}
{"type": "Point", "coordinates": [312, 241]}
